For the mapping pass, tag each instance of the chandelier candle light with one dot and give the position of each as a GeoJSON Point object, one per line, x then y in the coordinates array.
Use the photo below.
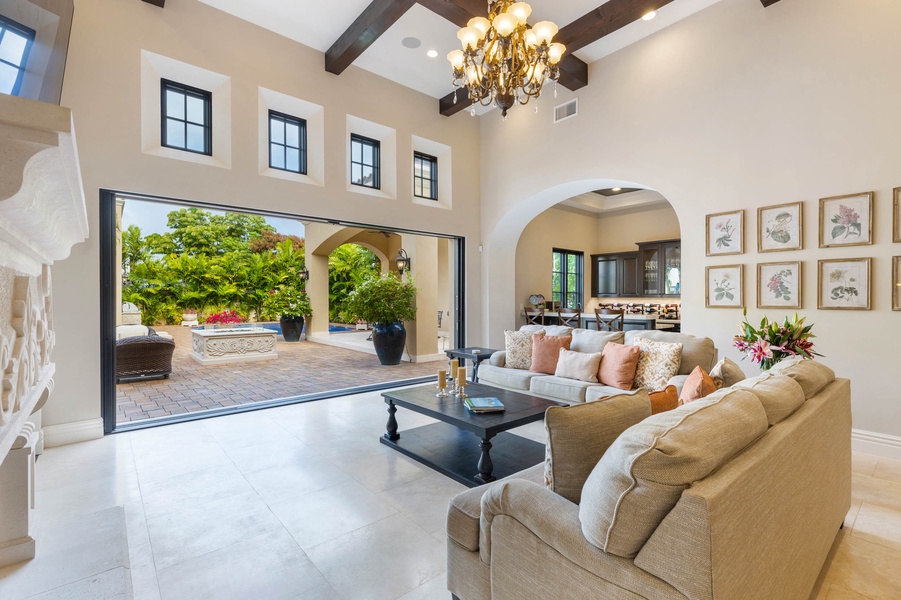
{"type": "Point", "coordinates": [504, 61]}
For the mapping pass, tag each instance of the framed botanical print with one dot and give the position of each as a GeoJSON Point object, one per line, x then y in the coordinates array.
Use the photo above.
{"type": "Point", "coordinates": [846, 220]}
{"type": "Point", "coordinates": [725, 233]}
{"type": "Point", "coordinates": [724, 286]}
{"type": "Point", "coordinates": [780, 228]}
{"type": "Point", "coordinates": [844, 284]}
{"type": "Point", "coordinates": [779, 285]}
{"type": "Point", "coordinates": [896, 216]}
{"type": "Point", "coordinates": [896, 283]}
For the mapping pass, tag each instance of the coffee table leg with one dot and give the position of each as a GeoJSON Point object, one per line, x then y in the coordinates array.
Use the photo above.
{"type": "Point", "coordinates": [485, 465]}
{"type": "Point", "coordinates": [391, 427]}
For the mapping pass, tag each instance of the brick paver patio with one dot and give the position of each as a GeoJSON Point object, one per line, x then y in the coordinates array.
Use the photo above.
{"type": "Point", "coordinates": [304, 367]}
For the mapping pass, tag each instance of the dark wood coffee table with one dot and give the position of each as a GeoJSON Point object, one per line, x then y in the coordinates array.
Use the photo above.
{"type": "Point", "coordinates": [449, 446]}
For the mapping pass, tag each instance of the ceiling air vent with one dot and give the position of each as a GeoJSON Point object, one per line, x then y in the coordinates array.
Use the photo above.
{"type": "Point", "coordinates": [566, 111]}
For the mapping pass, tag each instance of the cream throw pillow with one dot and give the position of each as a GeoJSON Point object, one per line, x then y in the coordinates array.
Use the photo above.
{"type": "Point", "coordinates": [657, 363]}
{"type": "Point", "coordinates": [519, 348]}
{"type": "Point", "coordinates": [726, 373]}
{"type": "Point", "coordinates": [578, 365]}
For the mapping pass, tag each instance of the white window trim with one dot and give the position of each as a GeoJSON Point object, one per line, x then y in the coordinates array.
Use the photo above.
{"type": "Point", "coordinates": [387, 138]}
{"type": "Point", "coordinates": [314, 115]}
{"type": "Point", "coordinates": [445, 173]}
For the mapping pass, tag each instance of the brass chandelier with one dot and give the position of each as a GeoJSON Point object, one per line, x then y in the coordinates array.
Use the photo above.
{"type": "Point", "coordinates": [504, 61]}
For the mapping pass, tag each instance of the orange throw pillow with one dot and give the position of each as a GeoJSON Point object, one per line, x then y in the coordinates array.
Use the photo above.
{"type": "Point", "coordinates": [618, 365]}
{"type": "Point", "coordinates": [698, 385]}
{"type": "Point", "coordinates": [546, 351]}
{"type": "Point", "coordinates": [664, 400]}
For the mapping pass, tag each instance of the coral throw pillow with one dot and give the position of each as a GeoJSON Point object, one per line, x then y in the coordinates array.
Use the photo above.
{"type": "Point", "coordinates": [664, 400]}
{"type": "Point", "coordinates": [546, 350]}
{"type": "Point", "coordinates": [698, 385]}
{"type": "Point", "coordinates": [657, 363]}
{"type": "Point", "coordinates": [618, 365]}
{"type": "Point", "coordinates": [518, 345]}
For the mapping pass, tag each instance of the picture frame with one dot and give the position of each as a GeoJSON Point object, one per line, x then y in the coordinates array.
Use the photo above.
{"type": "Point", "coordinates": [780, 227]}
{"type": "Point", "coordinates": [846, 220]}
{"type": "Point", "coordinates": [724, 286]}
{"type": "Point", "coordinates": [896, 215]}
{"type": "Point", "coordinates": [725, 233]}
{"type": "Point", "coordinates": [896, 283]}
{"type": "Point", "coordinates": [779, 284]}
{"type": "Point", "coordinates": [844, 284]}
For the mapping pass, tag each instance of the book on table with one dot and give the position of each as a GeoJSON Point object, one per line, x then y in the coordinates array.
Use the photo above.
{"type": "Point", "coordinates": [482, 405]}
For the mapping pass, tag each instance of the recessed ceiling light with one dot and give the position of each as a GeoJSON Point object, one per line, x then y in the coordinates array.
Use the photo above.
{"type": "Point", "coordinates": [616, 190]}
{"type": "Point", "coordinates": [411, 42]}
{"type": "Point", "coordinates": [649, 16]}
{"type": "Point", "coordinates": [432, 53]}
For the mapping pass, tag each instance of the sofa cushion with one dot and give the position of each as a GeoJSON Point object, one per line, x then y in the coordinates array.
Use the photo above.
{"type": "Point", "coordinates": [546, 351]}
{"type": "Point", "coordinates": [577, 437]}
{"type": "Point", "coordinates": [664, 400]}
{"type": "Point", "coordinates": [559, 388]}
{"type": "Point", "coordinates": [618, 365]}
{"type": "Point", "coordinates": [532, 328]}
{"type": "Point", "coordinates": [698, 385]}
{"type": "Point", "coordinates": [578, 365]}
{"type": "Point", "coordinates": [586, 340]}
{"type": "Point", "coordinates": [557, 330]}
{"type": "Point", "coordinates": [726, 373]}
{"type": "Point", "coordinates": [780, 395]}
{"type": "Point", "coordinates": [514, 379]}
{"type": "Point", "coordinates": [124, 331]}
{"type": "Point", "coordinates": [812, 375]}
{"type": "Point", "coordinates": [657, 362]}
{"type": "Point", "coordinates": [695, 350]}
{"type": "Point", "coordinates": [644, 472]}
{"type": "Point", "coordinates": [601, 392]}
{"type": "Point", "coordinates": [518, 345]}
{"type": "Point", "coordinates": [464, 509]}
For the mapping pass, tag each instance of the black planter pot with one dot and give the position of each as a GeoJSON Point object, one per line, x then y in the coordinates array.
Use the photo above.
{"type": "Point", "coordinates": [389, 339]}
{"type": "Point", "coordinates": [291, 328]}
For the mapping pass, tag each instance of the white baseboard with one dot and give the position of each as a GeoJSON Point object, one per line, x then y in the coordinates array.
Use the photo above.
{"type": "Point", "coordinates": [72, 433]}
{"type": "Point", "coordinates": [879, 444]}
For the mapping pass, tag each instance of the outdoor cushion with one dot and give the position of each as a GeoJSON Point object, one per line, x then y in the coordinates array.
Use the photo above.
{"type": "Point", "coordinates": [518, 345]}
{"type": "Point", "coordinates": [586, 340]}
{"type": "Point", "coordinates": [514, 379]}
{"type": "Point", "coordinates": [546, 351]}
{"type": "Point", "coordinates": [812, 375]}
{"type": "Point", "coordinates": [578, 365]}
{"type": "Point", "coordinates": [643, 473]}
{"type": "Point", "coordinates": [726, 373]}
{"type": "Point", "coordinates": [560, 388]}
{"type": "Point", "coordinates": [618, 365]}
{"type": "Point", "coordinates": [698, 385]}
{"type": "Point", "coordinates": [695, 350]}
{"type": "Point", "coordinates": [657, 362]}
{"type": "Point", "coordinates": [780, 395]}
{"type": "Point", "coordinates": [577, 437]}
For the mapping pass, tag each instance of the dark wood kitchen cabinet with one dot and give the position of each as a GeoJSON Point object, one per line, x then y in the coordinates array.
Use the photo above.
{"type": "Point", "coordinates": [655, 270]}
{"type": "Point", "coordinates": [614, 274]}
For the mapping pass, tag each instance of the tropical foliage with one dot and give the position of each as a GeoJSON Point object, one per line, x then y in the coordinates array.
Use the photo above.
{"type": "Point", "coordinates": [226, 317]}
{"type": "Point", "coordinates": [348, 267]}
{"type": "Point", "coordinates": [286, 301]}
{"type": "Point", "coordinates": [771, 342]}
{"type": "Point", "coordinates": [383, 299]}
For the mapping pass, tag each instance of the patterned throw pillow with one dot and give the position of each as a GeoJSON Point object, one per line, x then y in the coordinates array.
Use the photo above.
{"type": "Point", "coordinates": [519, 348]}
{"type": "Point", "coordinates": [657, 362]}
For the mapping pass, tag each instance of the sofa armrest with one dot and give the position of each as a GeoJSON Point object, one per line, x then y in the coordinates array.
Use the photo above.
{"type": "Point", "coordinates": [498, 359]}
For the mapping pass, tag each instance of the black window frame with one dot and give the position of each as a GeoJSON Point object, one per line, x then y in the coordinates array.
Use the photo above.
{"type": "Point", "coordinates": [27, 32]}
{"type": "Point", "coordinates": [564, 294]}
{"type": "Point", "coordinates": [376, 146]}
{"type": "Point", "coordinates": [432, 179]}
{"type": "Point", "coordinates": [285, 119]}
{"type": "Point", "coordinates": [186, 90]}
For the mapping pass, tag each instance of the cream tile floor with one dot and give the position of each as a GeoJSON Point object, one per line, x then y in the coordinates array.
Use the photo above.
{"type": "Point", "coordinates": [303, 502]}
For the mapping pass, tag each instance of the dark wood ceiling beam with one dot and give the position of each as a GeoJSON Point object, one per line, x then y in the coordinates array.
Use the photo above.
{"type": "Point", "coordinates": [604, 20]}
{"type": "Point", "coordinates": [447, 107]}
{"type": "Point", "coordinates": [768, 2]}
{"type": "Point", "coordinates": [160, 3]}
{"type": "Point", "coordinates": [372, 23]}
{"type": "Point", "coordinates": [458, 12]}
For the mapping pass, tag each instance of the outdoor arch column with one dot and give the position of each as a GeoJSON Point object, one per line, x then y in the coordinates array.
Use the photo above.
{"type": "Point", "coordinates": [317, 290]}
{"type": "Point", "coordinates": [422, 335]}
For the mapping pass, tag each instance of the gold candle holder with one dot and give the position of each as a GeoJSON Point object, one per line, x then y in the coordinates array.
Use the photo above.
{"type": "Point", "coordinates": [442, 383]}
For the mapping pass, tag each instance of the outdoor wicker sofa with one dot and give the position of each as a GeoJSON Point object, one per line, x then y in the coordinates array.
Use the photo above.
{"type": "Point", "coordinates": [144, 357]}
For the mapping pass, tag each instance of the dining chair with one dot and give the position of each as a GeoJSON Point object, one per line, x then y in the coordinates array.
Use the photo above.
{"type": "Point", "coordinates": [534, 316]}
{"type": "Point", "coordinates": [614, 323]}
{"type": "Point", "coordinates": [571, 317]}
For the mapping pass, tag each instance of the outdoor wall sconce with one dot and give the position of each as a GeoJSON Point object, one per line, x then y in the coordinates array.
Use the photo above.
{"type": "Point", "coordinates": [303, 274]}
{"type": "Point", "coordinates": [402, 261]}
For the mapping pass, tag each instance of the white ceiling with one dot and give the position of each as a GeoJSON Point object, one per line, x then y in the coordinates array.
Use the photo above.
{"type": "Point", "coordinates": [606, 206]}
{"type": "Point", "coordinates": [319, 24]}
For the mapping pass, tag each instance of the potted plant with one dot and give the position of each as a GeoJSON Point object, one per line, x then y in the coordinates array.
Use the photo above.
{"type": "Point", "coordinates": [771, 342]}
{"type": "Point", "coordinates": [291, 306]}
{"type": "Point", "coordinates": [385, 302]}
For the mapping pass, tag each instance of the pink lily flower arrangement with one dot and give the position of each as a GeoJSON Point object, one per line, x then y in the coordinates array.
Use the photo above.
{"type": "Point", "coordinates": [771, 341]}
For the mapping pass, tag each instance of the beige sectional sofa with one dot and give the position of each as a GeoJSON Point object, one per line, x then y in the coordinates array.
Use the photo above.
{"type": "Point", "coordinates": [695, 351]}
{"type": "Point", "coordinates": [735, 496]}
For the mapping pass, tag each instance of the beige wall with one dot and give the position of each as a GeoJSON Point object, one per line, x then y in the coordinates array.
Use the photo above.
{"type": "Point", "coordinates": [735, 107]}
{"type": "Point", "coordinates": [102, 86]}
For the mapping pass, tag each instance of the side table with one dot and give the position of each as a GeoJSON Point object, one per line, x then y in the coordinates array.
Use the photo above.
{"type": "Point", "coordinates": [474, 354]}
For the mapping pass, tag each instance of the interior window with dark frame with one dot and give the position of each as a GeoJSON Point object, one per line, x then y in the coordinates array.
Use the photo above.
{"type": "Point", "coordinates": [287, 143]}
{"type": "Point", "coordinates": [425, 176]}
{"type": "Point", "coordinates": [566, 277]}
{"type": "Point", "coordinates": [187, 118]}
{"type": "Point", "coordinates": [364, 161]}
{"type": "Point", "coordinates": [15, 44]}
